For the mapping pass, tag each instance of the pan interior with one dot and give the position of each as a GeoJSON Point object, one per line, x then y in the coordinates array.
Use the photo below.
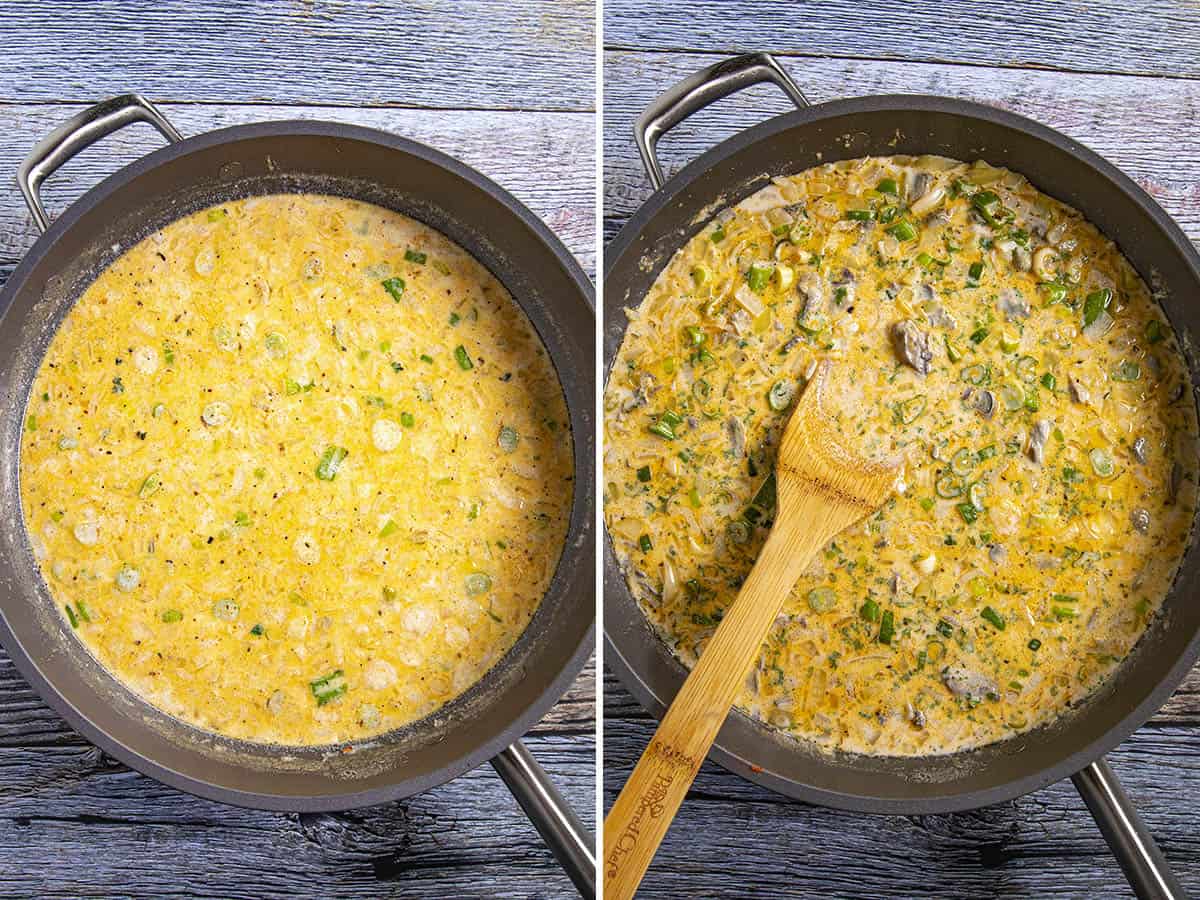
{"type": "Point", "coordinates": [388, 172]}
{"type": "Point", "coordinates": [885, 126]}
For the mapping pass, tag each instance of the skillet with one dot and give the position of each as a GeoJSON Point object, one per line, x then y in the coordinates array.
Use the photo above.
{"type": "Point", "coordinates": [1074, 745]}
{"type": "Point", "coordinates": [189, 174]}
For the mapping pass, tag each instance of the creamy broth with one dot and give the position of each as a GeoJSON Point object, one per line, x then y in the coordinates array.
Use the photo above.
{"type": "Point", "coordinates": [297, 469]}
{"type": "Point", "coordinates": [1006, 352]}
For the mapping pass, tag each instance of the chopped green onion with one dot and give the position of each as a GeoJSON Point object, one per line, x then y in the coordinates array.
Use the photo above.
{"type": "Point", "coordinates": [464, 358]}
{"type": "Point", "coordinates": [172, 615]}
{"type": "Point", "coordinates": [389, 527]}
{"type": "Point", "coordinates": [944, 628]}
{"type": "Point", "coordinates": [644, 543]}
{"type": "Point", "coordinates": [1032, 402]}
{"type": "Point", "coordinates": [1009, 342]}
{"type": "Point", "coordinates": [968, 512]}
{"type": "Point", "coordinates": [781, 394]}
{"type": "Point", "coordinates": [478, 583]}
{"type": "Point", "coordinates": [1154, 331]}
{"type": "Point", "coordinates": [71, 617]}
{"type": "Point", "coordinates": [258, 630]}
{"type": "Point", "coordinates": [663, 430]}
{"type": "Point", "coordinates": [822, 599]}
{"type": "Point", "coordinates": [414, 256]}
{"type": "Point", "coordinates": [902, 230]}
{"type": "Point", "coordinates": [643, 474]}
{"type": "Point", "coordinates": [395, 287]}
{"type": "Point", "coordinates": [426, 358]}
{"type": "Point", "coordinates": [455, 318]}
{"type": "Point", "coordinates": [870, 611]}
{"type": "Point", "coordinates": [994, 617]}
{"type": "Point", "coordinates": [952, 352]}
{"type": "Point", "coordinates": [861, 215]}
{"type": "Point", "coordinates": [1035, 644]}
{"type": "Point", "coordinates": [328, 687]}
{"type": "Point", "coordinates": [979, 335]}
{"type": "Point", "coordinates": [985, 202]}
{"type": "Point", "coordinates": [1102, 462]}
{"type": "Point", "coordinates": [759, 276]}
{"type": "Point", "coordinates": [331, 460]}
{"type": "Point", "coordinates": [975, 272]}
{"type": "Point", "coordinates": [908, 411]}
{"type": "Point", "coordinates": [887, 627]}
{"type": "Point", "coordinates": [718, 234]}
{"type": "Point", "coordinates": [508, 439]}
{"type": "Point", "coordinates": [700, 275]}
{"type": "Point", "coordinates": [888, 186]}
{"type": "Point", "coordinates": [1063, 612]}
{"type": "Point", "coordinates": [407, 420]}
{"type": "Point", "coordinates": [1055, 292]}
{"type": "Point", "coordinates": [948, 486]}
{"type": "Point", "coordinates": [1095, 303]}
{"type": "Point", "coordinates": [85, 614]}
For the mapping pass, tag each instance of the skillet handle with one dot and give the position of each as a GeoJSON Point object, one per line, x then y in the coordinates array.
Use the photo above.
{"type": "Point", "coordinates": [77, 133]}
{"type": "Point", "coordinates": [551, 815]}
{"type": "Point", "coordinates": [694, 93]}
{"type": "Point", "coordinates": [1145, 867]}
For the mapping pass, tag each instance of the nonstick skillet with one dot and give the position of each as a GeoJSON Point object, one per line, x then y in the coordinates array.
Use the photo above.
{"type": "Point", "coordinates": [1058, 166]}
{"type": "Point", "coordinates": [189, 174]}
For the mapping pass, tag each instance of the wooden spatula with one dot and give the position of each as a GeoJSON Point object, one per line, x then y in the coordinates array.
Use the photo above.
{"type": "Point", "coordinates": [822, 488]}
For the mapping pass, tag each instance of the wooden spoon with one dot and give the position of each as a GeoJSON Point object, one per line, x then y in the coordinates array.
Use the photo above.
{"type": "Point", "coordinates": [822, 488]}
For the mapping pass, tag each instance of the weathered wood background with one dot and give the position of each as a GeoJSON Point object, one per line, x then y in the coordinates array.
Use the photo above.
{"type": "Point", "coordinates": [1123, 78]}
{"type": "Point", "coordinates": [506, 87]}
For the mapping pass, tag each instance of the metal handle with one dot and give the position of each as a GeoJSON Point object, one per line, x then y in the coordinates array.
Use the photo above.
{"type": "Point", "coordinates": [79, 132]}
{"type": "Point", "coordinates": [551, 815]}
{"type": "Point", "coordinates": [694, 93]}
{"type": "Point", "coordinates": [1145, 867]}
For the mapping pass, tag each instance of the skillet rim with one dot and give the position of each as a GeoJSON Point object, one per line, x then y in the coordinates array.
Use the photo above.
{"type": "Point", "coordinates": [579, 540]}
{"type": "Point", "coordinates": [614, 579]}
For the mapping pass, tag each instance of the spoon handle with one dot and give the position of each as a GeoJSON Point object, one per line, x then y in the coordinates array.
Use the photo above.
{"type": "Point", "coordinates": [647, 804]}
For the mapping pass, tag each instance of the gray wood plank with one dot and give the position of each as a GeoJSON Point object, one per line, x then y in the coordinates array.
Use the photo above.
{"type": "Point", "coordinates": [732, 836]}
{"type": "Point", "coordinates": [1154, 37]}
{"type": "Point", "coordinates": [546, 159]}
{"type": "Point", "coordinates": [452, 54]}
{"type": "Point", "coordinates": [73, 823]}
{"type": "Point", "coordinates": [1144, 125]}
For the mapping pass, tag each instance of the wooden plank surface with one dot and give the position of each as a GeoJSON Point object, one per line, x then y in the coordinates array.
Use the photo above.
{"type": "Point", "coordinates": [1075, 66]}
{"type": "Point", "coordinates": [546, 159]}
{"type": "Point", "coordinates": [439, 54]}
{"type": "Point", "coordinates": [1108, 36]}
{"type": "Point", "coordinates": [506, 88]}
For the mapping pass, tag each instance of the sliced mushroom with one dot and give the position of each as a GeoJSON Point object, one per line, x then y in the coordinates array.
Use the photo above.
{"type": "Point", "coordinates": [1012, 304]}
{"type": "Point", "coordinates": [918, 184]}
{"type": "Point", "coordinates": [815, 300]}
{"type": "Point", "coordinates": [1022, 259]}
{"type": "Point", "coordinates": [1037, 439]}
{"type": "Point", "coordinates": [1139, 450]}
{"type": "Point", "coordinates": [927, 202]}
{"type": "Point", "coordinates": [736, 432]}
{"type": "Point", "coordinates": [984, 403]}
{"type": "Point", "coordinates": [1079, 391]}
{"type": "Point", "coordinates": [1140, 520]}
{"type": "Point", "coordinates": [912, 345]}
{"type": "Point", "coordinates": [968, 684]}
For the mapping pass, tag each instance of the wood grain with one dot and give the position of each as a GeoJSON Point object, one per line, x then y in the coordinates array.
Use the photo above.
{"type": "Point", "coordinates": [1115, 36]}
{"type": "Point", "coordinates": [546, 159]}
{"type": "Point", "coordinates": [445, 54]}
{"type": "Point", "coordinates": [733, 837]}
{"type": "Point", "coordinates": [1143, 125]}
{"type": "Point", "coordinates": [823, 488]}
{"type": "Point", "coordinates": [736, 839]}
{"type": "Point", "coordinates": [508, 88]}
